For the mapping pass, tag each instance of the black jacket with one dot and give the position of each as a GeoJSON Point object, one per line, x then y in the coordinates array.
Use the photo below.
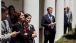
{"type": "Point", "coordinates": [65, 19]}
{"type": "Point", "coordinates": [45, 21]}
{"type": "Point", "coordinates": [21, 37]}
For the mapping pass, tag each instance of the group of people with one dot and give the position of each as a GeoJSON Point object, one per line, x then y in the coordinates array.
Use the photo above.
{"type": "Point", "coordinates": [49, 24]}
{"type": "Point", "coordinates": [15, 26]}
{"type": "Point", "coordinates": [67, 19]}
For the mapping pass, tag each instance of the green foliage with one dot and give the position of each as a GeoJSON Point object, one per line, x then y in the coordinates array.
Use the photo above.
{"type": "Point", "coordinates": [68, 38]}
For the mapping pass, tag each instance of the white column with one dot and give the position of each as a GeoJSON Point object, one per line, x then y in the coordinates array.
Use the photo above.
{"type": "Point", "coordinates": [74, 17]}
{"type": "Point", "coordinates": [49, 3]}
{"type": "Point", "coordinates": [71, 9]}
{"type": "Point", "coordinates": [67, 3]}
{"type": "Point", "coordinates": [59, 19]}
{"type": "Point", "coordinates": [32, 7]}
{"type": "Point", "coordinates": [71, 5]}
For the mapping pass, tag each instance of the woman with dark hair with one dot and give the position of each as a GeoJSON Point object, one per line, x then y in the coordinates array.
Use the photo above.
{"type": "Point", "coordinates": [6, 33]}
{"type": "Point", "coordinates": [30, 28]}
{"type": "Point", "coordinates": [19, 26]}
{"type": "Point", "coordinates": [12, 16]}
{"type": "Point", "coordinates": [11, 19]}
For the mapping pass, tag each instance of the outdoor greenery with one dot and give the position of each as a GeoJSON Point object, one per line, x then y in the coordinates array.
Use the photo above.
{"type": "Point", "coordinates": [68, 38]}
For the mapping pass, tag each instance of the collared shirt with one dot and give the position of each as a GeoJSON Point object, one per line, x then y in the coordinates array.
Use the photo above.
{"type": "Point", "coordinates": [50, 17]}
{"type": "Point", "coordinates": [68, 15]}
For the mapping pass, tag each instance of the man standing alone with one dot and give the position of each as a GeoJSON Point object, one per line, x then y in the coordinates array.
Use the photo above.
{"type": "Point", "coordinates": [48, 22]}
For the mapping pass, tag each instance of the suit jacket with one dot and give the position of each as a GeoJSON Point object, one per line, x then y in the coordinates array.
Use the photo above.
{"type": "Point", "coordinates": [45, 23]}
{"type": "Point", "coordinates": [65, 19]}
{"type": "Point", "coordinates": [5, 35]}
{"type": "Point", "coordinates": [70, 16]}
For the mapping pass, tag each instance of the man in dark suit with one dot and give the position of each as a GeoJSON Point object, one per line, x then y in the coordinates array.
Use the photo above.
{"type": "Point", "coordinates": [48, 22]}
{"type": "Point", "coordinates": [65, 20]}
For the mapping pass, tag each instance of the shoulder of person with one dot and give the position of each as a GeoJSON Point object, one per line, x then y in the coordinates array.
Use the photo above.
{"type": "Point", "coordinates": [6, 21]}
{"type": "Point", "coordinates": [31, 25]}
{"type": "Point", "coordinates": [53, 16]}
{"type": "Point", "coordinates": [45, 15]}
{"type": "Point", "coordinates": [1, 22]}
{"type": "Point", "coordinates": [70, 11]}
{"type": "Point", "coordinates": [16, 24]}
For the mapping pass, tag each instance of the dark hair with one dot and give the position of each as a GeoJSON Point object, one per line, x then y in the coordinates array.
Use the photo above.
{"type": "Point", "coordinates": [18, 13]}
{"type": "Point", "coordinates": [2, 2]}
{"type": "Point", "coordinates": [11, 6]}
{"type": "Point", "coordinates": [64, 8]}
{"type": "Point", "coordinates": [49, 8]}
{"type": "Point", "coordinates": [26, 15]}
{"type": "Point", "coordinates": [3, 9]}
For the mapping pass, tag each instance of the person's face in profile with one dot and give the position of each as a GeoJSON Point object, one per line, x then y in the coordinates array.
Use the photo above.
{"type": "Point", "coordinates": [5, 14]}
{"type": "Point", "coordinates": [28, 19]}
{"type": "Point", "coordinates": [50, 11]}
{"type": "Point", "coordinates": [21, 17]}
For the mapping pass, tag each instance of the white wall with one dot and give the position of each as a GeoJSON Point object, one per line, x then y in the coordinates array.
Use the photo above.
{"type": "Point", "coordinates": [74, 13]}
{"type": "Point", "coordinates": [16, 3]}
